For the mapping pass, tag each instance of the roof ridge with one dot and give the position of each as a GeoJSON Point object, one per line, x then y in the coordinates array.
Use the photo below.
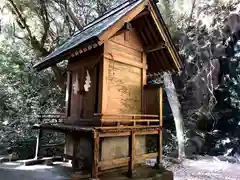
{"type": "Point", "coordinates": [107, 14]}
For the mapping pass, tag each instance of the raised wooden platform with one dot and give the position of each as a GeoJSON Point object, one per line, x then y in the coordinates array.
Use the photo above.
{"type": "Point", "coordinates": [128, 130]}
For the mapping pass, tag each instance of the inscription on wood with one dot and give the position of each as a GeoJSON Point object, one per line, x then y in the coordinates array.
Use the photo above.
{"type": "Point", "coordinates": [124, 88]}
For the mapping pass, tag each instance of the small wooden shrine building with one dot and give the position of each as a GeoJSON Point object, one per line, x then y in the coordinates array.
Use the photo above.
{"type": "Point", "coordinates": [110, 107]}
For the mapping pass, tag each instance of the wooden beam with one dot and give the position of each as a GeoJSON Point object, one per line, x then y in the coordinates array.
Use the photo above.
{"type": "Point", "coordinates": [101, 84]}
{"type": "Point", "coordinates": [144, 39]}
{"type": "Point", "coordinates": [105, 84]}
{"type": "Point", "coordinates": [132, 154]}
{"type": "Point", "coordinates": [148, 41]}
{"type": "Point", "coordinates": [85, 49]}
{"type": "Point", "coordinates": [130, 120]}
{"type": "Point", "coordinates": [144, 80]}
{"type": "Point", "coordinates": [115, 134]}
{"type": "Point", "coordinates": [74, 159]}
{"type": "Point", "coordinates": [156, 47]}
{"type": "Point", "coordinates": [120, 23]}
{"type": "Point", "coordinates": [95, 163]}
{"type": "Point", "coordinates": [166, 37]}
{"type": "Point", "coordinates": [108, 164]}
{"type": "Point", "coordinates": [146, 132]}
{"type": "Point", "coordinates": [127, 26]}
{"type": "Point", "coordinates": [147, 156]}
{"type": "Point", "coordinates": [142, 14]}
{"type": "Point", "coordinates": [164, 60]}
{"type": "Point", "coordinates": [159, 143]}
{"type": "Point", "coordinates": [128, 115]}
{"type": "Point", "coordinates": [120, 59]}
{"type": "Point", "coordinates": [68, 93]}
{"type": "Point", "coordinates": [150, 27]}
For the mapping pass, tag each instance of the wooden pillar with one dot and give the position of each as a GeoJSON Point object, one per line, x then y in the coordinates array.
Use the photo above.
{"type": "Point", "coordinates": [132, 154]}
{"type": "Point", "coordinates": [144, 82]}
{"type": "Point", "coordinates": [74, 157]}
{"type": "Point", "coordinates": [68, 93]}
{"type": "Point", "coordinates": [159, 142]}
{"type": "Point", "coordinates": [81, 91]}
{"type": "Point", "coordinates": [96, 141]}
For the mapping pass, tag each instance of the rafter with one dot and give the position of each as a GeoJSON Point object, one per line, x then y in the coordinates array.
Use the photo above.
{"type": "Point", "coordinates": [156, 47]}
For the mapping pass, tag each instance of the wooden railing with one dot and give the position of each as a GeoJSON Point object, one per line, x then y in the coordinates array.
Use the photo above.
{"type": "Point", "coordinates": [129, 119]}
{"type": "Point", "coordinates": [48, 118]}
{"type": "Point", "coordinates": [104, 120]}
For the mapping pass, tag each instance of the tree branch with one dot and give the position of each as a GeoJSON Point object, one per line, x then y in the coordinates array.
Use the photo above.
{"type": "Point", "coordinates": [46, 22]}
{"type": "Point", "coordinates": [20, 17]}
{"type": "Point", "coordinates": [21, 20]}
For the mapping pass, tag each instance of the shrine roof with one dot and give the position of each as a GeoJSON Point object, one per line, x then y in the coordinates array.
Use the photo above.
{"type": "Point", "coordinates": [88, 33]}
{"type": "Point", "coordinates": [94, 34]}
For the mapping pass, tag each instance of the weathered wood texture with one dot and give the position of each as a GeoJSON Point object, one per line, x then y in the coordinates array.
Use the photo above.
{"type": "Point", "coordinates": [68, 93]}
{"type": "Point", "coordinates": [117, 147]}
{"type": "Point", "coordinates": [151, 100]}
{"type": "Point", "coordinates": [68, 149]}
{"type": "Point", "coordinates": [160, 102]}
{"type": "Point", "coordinates": [122, 82]}
{"type": "Point", "coordinates": [84, 104]}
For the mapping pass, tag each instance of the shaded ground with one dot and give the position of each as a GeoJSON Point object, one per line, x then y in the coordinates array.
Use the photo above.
{"type": "Point", "coordinates": [205, 168]}
{"type": "Point", "coordinates": [17, 171]}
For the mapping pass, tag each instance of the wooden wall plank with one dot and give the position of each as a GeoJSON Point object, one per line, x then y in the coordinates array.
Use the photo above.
{"type": "Point", "coordinates": [124, 92]}
{"type": "Point", "coordinates": [133, 43]}
{"type": "Point", "coordinates": [117, 58]}
{"type": "Point", "coordinates": [126, 68]}
{"type": "Point", "coordinates": [123, 49]}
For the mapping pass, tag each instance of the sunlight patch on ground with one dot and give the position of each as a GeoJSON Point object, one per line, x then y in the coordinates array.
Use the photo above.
{"type": "Point", "coordinates": [206, 168]}
{"type": "Point", "coordinates": [206, 164]}
{"type": "Point", "coordinates": [33, 168]}
{"type": "Point", "coordinates": [11, 163]}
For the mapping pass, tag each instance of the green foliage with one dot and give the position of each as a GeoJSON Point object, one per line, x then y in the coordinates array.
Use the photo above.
{"type": "Point", "coordinates": [34, 28]}
{"type": "Point", "coordinates": [24, 93]}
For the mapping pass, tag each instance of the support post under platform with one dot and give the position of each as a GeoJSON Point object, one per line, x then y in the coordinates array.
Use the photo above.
{"type": "Point", "coordinates": [95, 163]}
{"type": "Point", "coordinates": [132, 151]}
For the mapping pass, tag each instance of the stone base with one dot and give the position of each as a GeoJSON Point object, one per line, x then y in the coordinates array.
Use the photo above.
{"type": "Point", "coordinates": [140, 173]}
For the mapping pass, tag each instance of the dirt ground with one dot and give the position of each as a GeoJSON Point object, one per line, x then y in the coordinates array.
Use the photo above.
{"type": "Point", "coordinates": [206, 168]}
{"type": "Point", "coordinates": [17, 171]}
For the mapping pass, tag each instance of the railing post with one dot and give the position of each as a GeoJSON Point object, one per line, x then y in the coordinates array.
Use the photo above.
{"type": "Point", "coordinates": [132, 154]}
